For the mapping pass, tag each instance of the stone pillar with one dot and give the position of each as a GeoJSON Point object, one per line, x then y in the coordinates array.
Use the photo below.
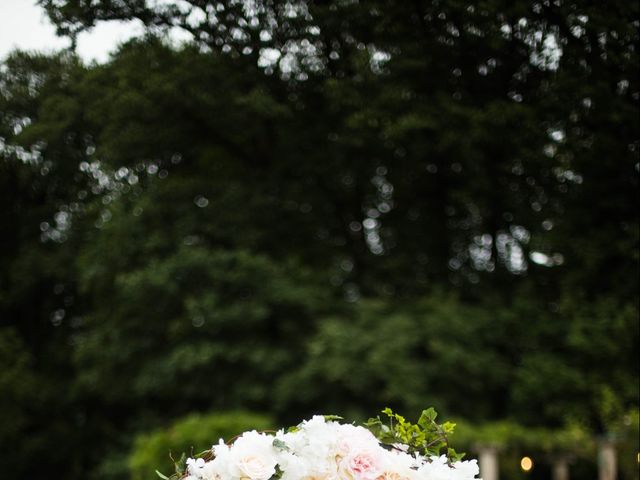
{"type": "Point", "coordinates": [488, 462]}
{"type": "Point", "coordinates": [607, 461]}
{"type": "Point", "coordinates": [560, 468]}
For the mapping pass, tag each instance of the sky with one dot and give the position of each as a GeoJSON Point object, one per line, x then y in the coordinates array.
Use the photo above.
{"type": "Point", "coordinates": [24, 25]}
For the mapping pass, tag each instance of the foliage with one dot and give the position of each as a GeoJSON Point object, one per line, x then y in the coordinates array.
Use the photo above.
{"type": "Point", "coordinates": [429, 200]}
{"type": "Point", "coordinates": [191, 434]}
{"type": "Point", "coordinates": [449, 352]}
{"type": "Point", "coordinates": [505, 434]}
{"type": "Point", "coordinates": [426, 437]}
{"type": "Point", "coordinates": [18, 384]}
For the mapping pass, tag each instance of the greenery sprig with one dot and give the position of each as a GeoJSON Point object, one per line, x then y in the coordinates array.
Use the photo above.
{"type": "Point", "coordinates": [427, 437]}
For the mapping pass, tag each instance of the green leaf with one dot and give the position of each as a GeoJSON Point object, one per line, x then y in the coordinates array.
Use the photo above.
{"type": "Point", "coordinates": [280, 445]}
{"type": "Point", "coordinates": [454, 456]}
{"type": "Point", "coordinates": [332, 418]}
{"type": "Point", "coordinates": [429, 415]}
{"type": "Point", "coordinates": [181, 464]}
{"type": "Point", "coordinates": [448, 427]}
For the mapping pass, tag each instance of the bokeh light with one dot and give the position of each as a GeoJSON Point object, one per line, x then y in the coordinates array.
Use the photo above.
{"type": "Point", "coordinates": [526, 464]}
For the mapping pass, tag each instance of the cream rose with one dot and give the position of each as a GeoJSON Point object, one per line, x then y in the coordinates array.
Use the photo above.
{"type": "Point", "coordinates": [252, 457]}
{"type": "Point", "coordinates": [256, 467]}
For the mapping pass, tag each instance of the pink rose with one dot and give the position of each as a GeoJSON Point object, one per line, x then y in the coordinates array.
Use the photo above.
{"type": "Point", "coordinates": [362, 466]}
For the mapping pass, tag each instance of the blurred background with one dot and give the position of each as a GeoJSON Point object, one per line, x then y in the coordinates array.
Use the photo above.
{"type": "Point", "coordinates": [255, 210]}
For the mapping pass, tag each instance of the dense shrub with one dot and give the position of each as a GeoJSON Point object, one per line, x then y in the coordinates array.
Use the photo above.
{"type": "Point", "coordinates": [193, 433]}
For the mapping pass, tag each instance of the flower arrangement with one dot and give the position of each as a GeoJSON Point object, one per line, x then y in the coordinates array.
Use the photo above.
{"type": "Point", "coordinates": [322, 448]}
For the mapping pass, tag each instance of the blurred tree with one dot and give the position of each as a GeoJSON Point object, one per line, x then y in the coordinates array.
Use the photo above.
{"type": "Point", "coordinates": [37, 286]}
{"type": "Point", "coordinates": [420, 91]}
{"type": "Point", "coordinates": [515, 361]}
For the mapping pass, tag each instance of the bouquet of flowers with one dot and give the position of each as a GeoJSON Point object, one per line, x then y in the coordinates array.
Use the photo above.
{"type": "Point", "coordinates": [322, 448]}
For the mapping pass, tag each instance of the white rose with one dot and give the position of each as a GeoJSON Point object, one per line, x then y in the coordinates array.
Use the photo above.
{"type": "Point", "coordinates": [252, 457]}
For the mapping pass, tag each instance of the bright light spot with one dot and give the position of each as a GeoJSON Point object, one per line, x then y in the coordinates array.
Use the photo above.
{"type": "Point", "coordinates": [546, 260]}
{"type": "Point", "coordinates": [265, 35]}
{"type": "Point", "coordinates": [540, 258]}
{"type": "Point", "coordinates": [268, 57]}
{"type": "Point", "coordinates": [201, 201]}
{"type": "Point", "coordinates": [369, 223]}
{"type": "Point", "coordinates": [557, 135]}
{"type": "Point", "coordinates": [526, 464]}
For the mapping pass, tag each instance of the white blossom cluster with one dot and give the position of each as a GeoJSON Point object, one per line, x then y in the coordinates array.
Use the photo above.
{"type": "Point", "coordinates": [321, 450]}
